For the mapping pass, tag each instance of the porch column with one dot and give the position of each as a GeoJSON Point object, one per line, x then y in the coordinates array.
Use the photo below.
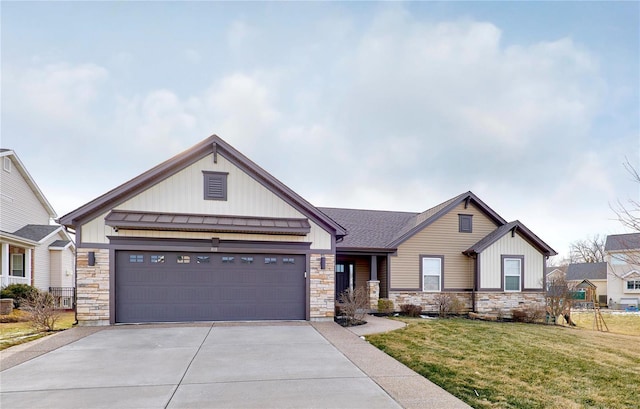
{"type": "Point", "coordinates": [374, 268]}
{"type": "Point", "coordinates": [27, 265]}
{"type": "Point", "coordinates": [5, 264]}
{"type": "Point", "coordinates": [373, 289]}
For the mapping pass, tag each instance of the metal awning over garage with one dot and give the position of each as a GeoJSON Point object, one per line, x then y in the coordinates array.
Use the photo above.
{"type": "Point", "coordinates": [119, 219]}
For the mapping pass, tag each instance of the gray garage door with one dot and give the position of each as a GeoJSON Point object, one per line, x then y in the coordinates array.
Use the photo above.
{"type": "Point", "coordinates": [174, 287]}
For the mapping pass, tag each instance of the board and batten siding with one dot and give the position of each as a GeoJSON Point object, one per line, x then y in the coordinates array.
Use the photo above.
{"type": "Point", "coordinates": [441, 238]}
{"type": "Point", "coordinates": [183, 193]}
{"type": "Point", "coordinates": [19, 204]}
{"type": "Point", "coordinates": [491, 262]}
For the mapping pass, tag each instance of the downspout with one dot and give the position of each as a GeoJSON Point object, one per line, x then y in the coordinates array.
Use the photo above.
{"type": "Point", "coordinates": [75, 276]}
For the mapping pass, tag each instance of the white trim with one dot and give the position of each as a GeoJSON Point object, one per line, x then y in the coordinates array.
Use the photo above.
{"type": "Point", "coordinates": [4, 269]}
{"type": "Point", "coordinates": [47, 237]}
{"type": "Point", "coordinates": [6, 164]}
{"type": "Point", "coordinates": [519, 275]}
{"type": "Point", "coordinates": [31, 182]}
{"type": "Point", "coordinates": [631, 274]}
{"type": "Point", "coordinates": [439, 275]}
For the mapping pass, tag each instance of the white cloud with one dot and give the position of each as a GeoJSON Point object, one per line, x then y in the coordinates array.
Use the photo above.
{"type": "Point", "coordinates": [58, 93]}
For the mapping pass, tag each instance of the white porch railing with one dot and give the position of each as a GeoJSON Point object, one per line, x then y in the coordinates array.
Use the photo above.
{"type": "Point", "coordinates": [6, 280]}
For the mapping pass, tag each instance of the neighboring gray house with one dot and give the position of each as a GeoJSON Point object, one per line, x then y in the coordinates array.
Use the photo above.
{"type": "Point", "coordinates": [622, 253]}
{"type": "Point", "coordinates": [596, 273]}
{"type": "Point", "coordinates": [209, 235]}
{"type": "Point", "coordinates": [33, 251]}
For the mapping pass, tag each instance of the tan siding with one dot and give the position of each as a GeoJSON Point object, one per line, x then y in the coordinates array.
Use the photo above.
{"type": "Point", "coordinates": [363, 272]}
{"type": "Point", "coordinates": [491, 262]}
{"type": "Point", "coordinates": [19, 206]}
{"type": "Point", "coordinates": [383, 277]}
{"type": "Point", "coordinates": [441, 238]}
{"type": "Point", "coordinates": [183, 193]}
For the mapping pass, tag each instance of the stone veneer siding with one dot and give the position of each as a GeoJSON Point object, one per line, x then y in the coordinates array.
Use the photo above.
{"type": "Point", "coordinates": [92, 288]}
{"type": "Point", "coordinates": [503, 303]}
{"type": "Point", "coordinates": [427, 300]}
{"type": "Point", "coordinates": [373, 290]}
{"type": "Point", "coordinates": [492, 303]}
{"type": "Point", "coordinates": [322, 287]}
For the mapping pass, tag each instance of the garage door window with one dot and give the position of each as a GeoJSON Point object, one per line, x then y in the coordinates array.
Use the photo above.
{"type": "Point", "coordinates": [184, 259]}
{"type": "Point", "coordinates": [203, 259]}
{"type": "Point", "coordinates": [286, 260]}
{"type": "Point", "coordinates": [136, 258]}
{"type": "Point", "coordinates": [247, 260]}
{"type": "Point", "coordinates": [227, 259]}
{"type": "Point", "coordinates": [155, 258]}
{"type": "Point", "coordinates": [270, 260]}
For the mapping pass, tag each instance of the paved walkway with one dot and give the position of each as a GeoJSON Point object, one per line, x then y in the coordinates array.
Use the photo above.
{"type": "Point", "coordinates": [288, 364]}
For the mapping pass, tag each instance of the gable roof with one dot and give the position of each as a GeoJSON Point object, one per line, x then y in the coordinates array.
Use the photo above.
{"type": "Point", "coordinates": [368, 229]}
{"type": "Point", "coordinates": [377, 229]}
{"type": "Point", "coordinates": [213, 145]}
{"type": "Point", "coordinates": [513, 227]}
{"type": "Point", "coordinates": [30, 181]}
{"type": "Point", "coordinates": [36, 232]}
{"type": "Point", "coordinates": [60, 244]}
{"type": "Point", "coordinates": [617, 242]}
{"type": "Point", "coordinates": [586, 271]}
{"type": "Point", "coordinates": [429, 216]}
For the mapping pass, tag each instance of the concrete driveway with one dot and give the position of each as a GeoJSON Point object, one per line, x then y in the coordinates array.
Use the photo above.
{"type": "Point", "coordinates": [290, 365]}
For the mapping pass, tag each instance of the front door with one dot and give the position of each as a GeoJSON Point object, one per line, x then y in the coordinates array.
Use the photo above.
{"type": "Point", "coordinates": [344, 277]}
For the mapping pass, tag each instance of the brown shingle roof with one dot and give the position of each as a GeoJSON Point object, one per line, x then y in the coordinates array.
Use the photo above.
{"type": "Point", "coordinates": [373, 229]}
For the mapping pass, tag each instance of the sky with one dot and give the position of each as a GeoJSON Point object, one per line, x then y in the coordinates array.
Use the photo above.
{"type": "Point", "coordinates": [533, 106]}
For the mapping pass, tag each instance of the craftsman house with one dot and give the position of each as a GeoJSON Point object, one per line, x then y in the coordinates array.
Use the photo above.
{"type": "Point", "coordinates": [33, 251]}
{"type": "Point", "coordinates": [209, 235]}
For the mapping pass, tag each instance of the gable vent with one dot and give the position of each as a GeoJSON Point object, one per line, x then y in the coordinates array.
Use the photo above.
{"type": "Point", "coordinates": [215, 186]}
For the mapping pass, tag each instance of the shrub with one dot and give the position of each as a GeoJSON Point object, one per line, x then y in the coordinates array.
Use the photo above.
{"type": "Point", "coordinates": [528, 313]}
{"type": "Point", "coordinates": [448, 304]}
{"type": "Point", "coordinates": [42, 311]}
{"type": "Point", "coordinates": [354, 305]}
{"type": "Point", "coordinates": [18, 292]}
{"type": "Point", "coordinates": [411, 310]}
{"type": "Point", "coordinates": [385, 306]}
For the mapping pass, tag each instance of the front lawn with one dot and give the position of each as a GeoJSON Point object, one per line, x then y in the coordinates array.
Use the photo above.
{"type": "Point", "coordinates": [16, 333]}
{"type": "Point", "coordinates": [513, 365]}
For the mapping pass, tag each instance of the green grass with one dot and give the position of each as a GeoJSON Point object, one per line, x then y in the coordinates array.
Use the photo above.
{"type": "Point", "coordinates": [16, 333]}
{"type": "Point", "coordinates": [617, 322]}
{"type": "Point", "coordinates": [512, 365]}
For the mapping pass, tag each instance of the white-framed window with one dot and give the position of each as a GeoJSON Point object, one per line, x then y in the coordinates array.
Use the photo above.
{"type": "Point", "coordinates": [432, 273]}
{"type": "Point", "coordinates": [6, 164]}
{"type": "Point", "coordinates": [633, 285]}
{"type": "Point", "coordinates": [512, 268]}
{"type": "Point", "coordinates": [17, 265]}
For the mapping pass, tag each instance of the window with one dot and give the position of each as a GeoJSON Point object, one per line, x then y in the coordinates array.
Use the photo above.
{"type": "Point", "coordinates": [270, 260]}
{"type": "Point", "coordinates": [203, 259]}
{"type": "Point", "coordinates": [215, 185]}
{"type": "Point", "coordinates": [431, 273]}
{"type": "Point", "coordinates": [17, 265]}
{"type": "Point", "coordinates": [66, 302]}
{"type": "Point", "coordinates": [228, 259]}
{"type": "Point", "coordinates": [136, 258]}
{"type": "Point", "coordinates": [157, 259]}
{"type": "Point", "coordinates": [184, 259]}
{"type": "Point", "coordinates": [6, 164]}
{"type": "Point", "coordinates": [246, 260]}
{"type": "Point", "coordinates": [286, 260]}
{"type": "Point", "coordinates": [512, 268]}
{"type": "Point", "coordinates": [633, 285]}
{"type": "Point", "coordinates": [465, 223]}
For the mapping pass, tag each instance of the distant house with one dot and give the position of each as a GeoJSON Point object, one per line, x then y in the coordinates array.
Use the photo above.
{"type": "Point", "coordinates": [555, 272]}
{"type": "Point", "coordinates": [209, 235]}
{"type": "Point", "coordinates": [622, 253]}
{"type": "Point", "coordinates": [594, 273]}
{"type": "Point", "coordinates": [33, 251]}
